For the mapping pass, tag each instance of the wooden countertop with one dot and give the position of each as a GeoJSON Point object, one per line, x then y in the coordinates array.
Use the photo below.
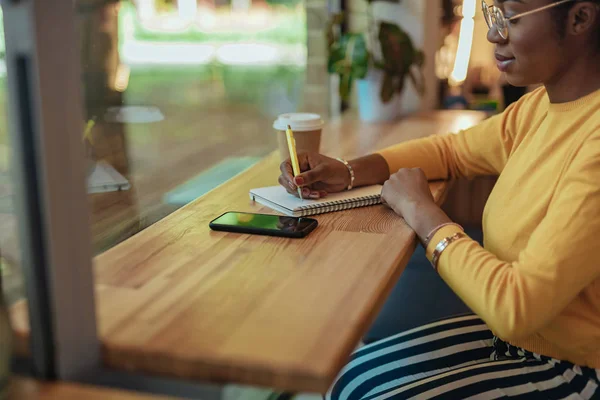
{"type": "Point", "coordinates": [183, 301]}
{"type": "Point", "coordinates": [30, 389]}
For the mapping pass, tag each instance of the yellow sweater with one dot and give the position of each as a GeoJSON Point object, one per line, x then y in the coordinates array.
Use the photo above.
{"type": "Point", "coordinates": [536, 282]}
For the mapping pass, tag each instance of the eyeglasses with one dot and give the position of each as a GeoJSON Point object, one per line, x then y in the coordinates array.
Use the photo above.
{"type": "Point", "coordinates": [494, 17]}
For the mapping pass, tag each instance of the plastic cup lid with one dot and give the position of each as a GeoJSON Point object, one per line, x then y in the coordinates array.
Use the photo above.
{"type": "Point", "coordinates": [298, 122]}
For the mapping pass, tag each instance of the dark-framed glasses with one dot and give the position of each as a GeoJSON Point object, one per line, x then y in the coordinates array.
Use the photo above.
{"type": "Point", "coordinates": [494, 17]}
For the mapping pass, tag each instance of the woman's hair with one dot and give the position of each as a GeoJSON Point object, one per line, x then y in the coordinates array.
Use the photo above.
{"type": "Point", "coordinates": [561, 14]}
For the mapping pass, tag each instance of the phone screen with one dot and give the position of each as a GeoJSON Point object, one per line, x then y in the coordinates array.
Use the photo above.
{"type": "Point", "coordinates": [264, 222]}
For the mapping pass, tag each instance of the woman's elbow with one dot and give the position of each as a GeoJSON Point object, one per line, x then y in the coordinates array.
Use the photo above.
{"type": "Point", "coordinates": [511, 329]}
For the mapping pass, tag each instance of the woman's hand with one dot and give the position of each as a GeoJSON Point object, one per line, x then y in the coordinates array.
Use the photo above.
{"type": "Point", "coordinates": [407, 193]}
{"type": "Point", "coordinates": [320, 175]}
{"type": "Point", "coordinates": [405, 189]}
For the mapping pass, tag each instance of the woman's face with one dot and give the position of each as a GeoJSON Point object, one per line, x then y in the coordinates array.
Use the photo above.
{"type": "Point", "coordinates": [533, 52]}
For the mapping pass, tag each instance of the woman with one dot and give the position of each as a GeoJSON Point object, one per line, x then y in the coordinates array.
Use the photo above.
{"type": "Point", "coordinates": [535, 287]}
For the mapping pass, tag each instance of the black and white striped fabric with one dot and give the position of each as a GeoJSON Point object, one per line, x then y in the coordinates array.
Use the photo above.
{"type": "Point", "coordinates": [458, 358]}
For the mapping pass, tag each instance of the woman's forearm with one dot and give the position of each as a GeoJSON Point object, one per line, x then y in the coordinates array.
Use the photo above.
{"type": "Point", "coordinates": [370, 170]}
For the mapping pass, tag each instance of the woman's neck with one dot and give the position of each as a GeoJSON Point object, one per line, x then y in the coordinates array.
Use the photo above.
{"type": "Point", "coordinates": [580, 78]}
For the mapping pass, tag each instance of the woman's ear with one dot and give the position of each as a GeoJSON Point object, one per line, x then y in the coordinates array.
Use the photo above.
{"type": "Point", "coordinates": [583, 18]}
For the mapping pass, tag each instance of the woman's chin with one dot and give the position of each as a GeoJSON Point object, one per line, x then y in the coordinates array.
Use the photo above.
{"type": "Point", "coordinates": [518, 80]}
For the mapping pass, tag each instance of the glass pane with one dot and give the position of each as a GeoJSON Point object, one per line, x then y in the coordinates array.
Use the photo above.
{"type": "Point", "coordinates": [181, 96]}
{"type": "Point", "coordinates": [12, 286]}
{"type": "Point", "coordinates": [10, 256]}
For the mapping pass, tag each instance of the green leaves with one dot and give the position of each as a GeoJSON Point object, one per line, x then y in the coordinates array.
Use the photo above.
{"type": "Point", "coordinates": [387, 88]}
{"type": "Point", "coordinates": [400, 60]}
{"type": "Point", "coordinates": [396, 47]}
{"type": "Point", "coordinates": [349, 58]}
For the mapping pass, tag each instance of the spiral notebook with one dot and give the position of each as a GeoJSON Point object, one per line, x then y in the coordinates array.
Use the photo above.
{"type": "Point", "coordinates": [277, 198]}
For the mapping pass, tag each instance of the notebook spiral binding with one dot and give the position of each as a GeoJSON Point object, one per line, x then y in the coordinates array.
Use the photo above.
{"type": "Point", "coordinates": [339, 205]}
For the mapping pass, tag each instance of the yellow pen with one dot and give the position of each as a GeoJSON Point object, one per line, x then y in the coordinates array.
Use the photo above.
{"type": "Point", "coordinates": [293, 155]}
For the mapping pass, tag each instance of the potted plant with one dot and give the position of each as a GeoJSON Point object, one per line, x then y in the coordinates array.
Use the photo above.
{"type": "Point", "coordinates": [380, 60]}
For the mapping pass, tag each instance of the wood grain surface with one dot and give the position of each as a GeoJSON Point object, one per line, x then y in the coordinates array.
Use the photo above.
{"type": "Point", "coordinates": [30, 389]}
{"type": "Point", "coordinates": [183, 301]}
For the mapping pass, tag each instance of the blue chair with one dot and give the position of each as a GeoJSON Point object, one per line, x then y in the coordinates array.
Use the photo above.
{"type": "Point", "coordinates": [420, 297]}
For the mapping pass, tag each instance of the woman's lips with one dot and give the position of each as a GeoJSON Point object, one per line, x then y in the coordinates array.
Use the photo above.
{"type": "Point", "coordinates": [503, 63]}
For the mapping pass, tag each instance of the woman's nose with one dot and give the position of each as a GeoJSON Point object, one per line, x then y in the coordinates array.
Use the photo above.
{"type": "Point", "coordinates": [493, 36]}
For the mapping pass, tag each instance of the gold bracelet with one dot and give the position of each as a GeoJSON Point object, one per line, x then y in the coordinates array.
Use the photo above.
{"type": "Point", "coordinates": [350, 171]}
{"type": "Point", "coordinates": [442, 245]}
{"type": "Point", "coordinates": [437, 228]}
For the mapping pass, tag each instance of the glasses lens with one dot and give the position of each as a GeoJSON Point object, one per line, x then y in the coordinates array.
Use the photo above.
{"type": "Point", "coordinates": [500, 23]}
{"type": "Point", "coordinates": [487, 15]}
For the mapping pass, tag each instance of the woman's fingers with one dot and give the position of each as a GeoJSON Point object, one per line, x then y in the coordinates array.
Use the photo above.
{"type": "Point", "coordinates": [289, 186]}
{"type": "Point", "coordinates": [313, 179]}
{"type": "Point", "coordinates": [300, 180]}
{"type": "Point", "coordinates": [286, 171]}
{"type": "Point", "coordinates": [383, 201]}
{"type": "Point", "coordinates": [315, 175]}
{"type": "Point", "coordinates": [307, 192]}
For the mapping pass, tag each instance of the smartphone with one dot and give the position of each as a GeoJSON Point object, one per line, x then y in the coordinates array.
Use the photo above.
{"type": "Point", "coordinates": [264, 224]}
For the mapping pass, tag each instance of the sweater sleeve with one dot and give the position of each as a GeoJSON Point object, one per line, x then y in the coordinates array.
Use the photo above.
{"type": "Point", "coordinates": [518, 298]}
{"type": "Point", "coordinates": [480, 150]}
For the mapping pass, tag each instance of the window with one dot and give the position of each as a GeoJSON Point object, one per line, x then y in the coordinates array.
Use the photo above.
{"type": "Point", "coordinates": [179, 97]}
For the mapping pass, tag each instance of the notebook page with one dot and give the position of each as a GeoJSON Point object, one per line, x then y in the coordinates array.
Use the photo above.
{"type": "Point", "coordinates": [279, 196]}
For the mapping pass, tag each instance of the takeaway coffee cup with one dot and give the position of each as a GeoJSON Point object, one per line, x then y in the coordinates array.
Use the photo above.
{"type": "Point", "coordinates": [307, 130]}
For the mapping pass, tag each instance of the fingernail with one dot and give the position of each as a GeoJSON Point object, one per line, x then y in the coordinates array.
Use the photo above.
{"type": "Point", "coordinates": [299, 180]}
{"type": "Point", "coordinates": [314, 195]}
{"type": "Point", "coordinates": [305, 192]}
{"type": "Point", "coordinates": [323, 193]}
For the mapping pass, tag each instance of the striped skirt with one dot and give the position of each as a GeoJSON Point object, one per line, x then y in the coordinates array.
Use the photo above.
{"type": "Point", "coordinates": [458, 358]}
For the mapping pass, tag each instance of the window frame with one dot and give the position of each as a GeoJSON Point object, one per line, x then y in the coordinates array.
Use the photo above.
{"type": "Point", "coordinates": [46, 123]}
